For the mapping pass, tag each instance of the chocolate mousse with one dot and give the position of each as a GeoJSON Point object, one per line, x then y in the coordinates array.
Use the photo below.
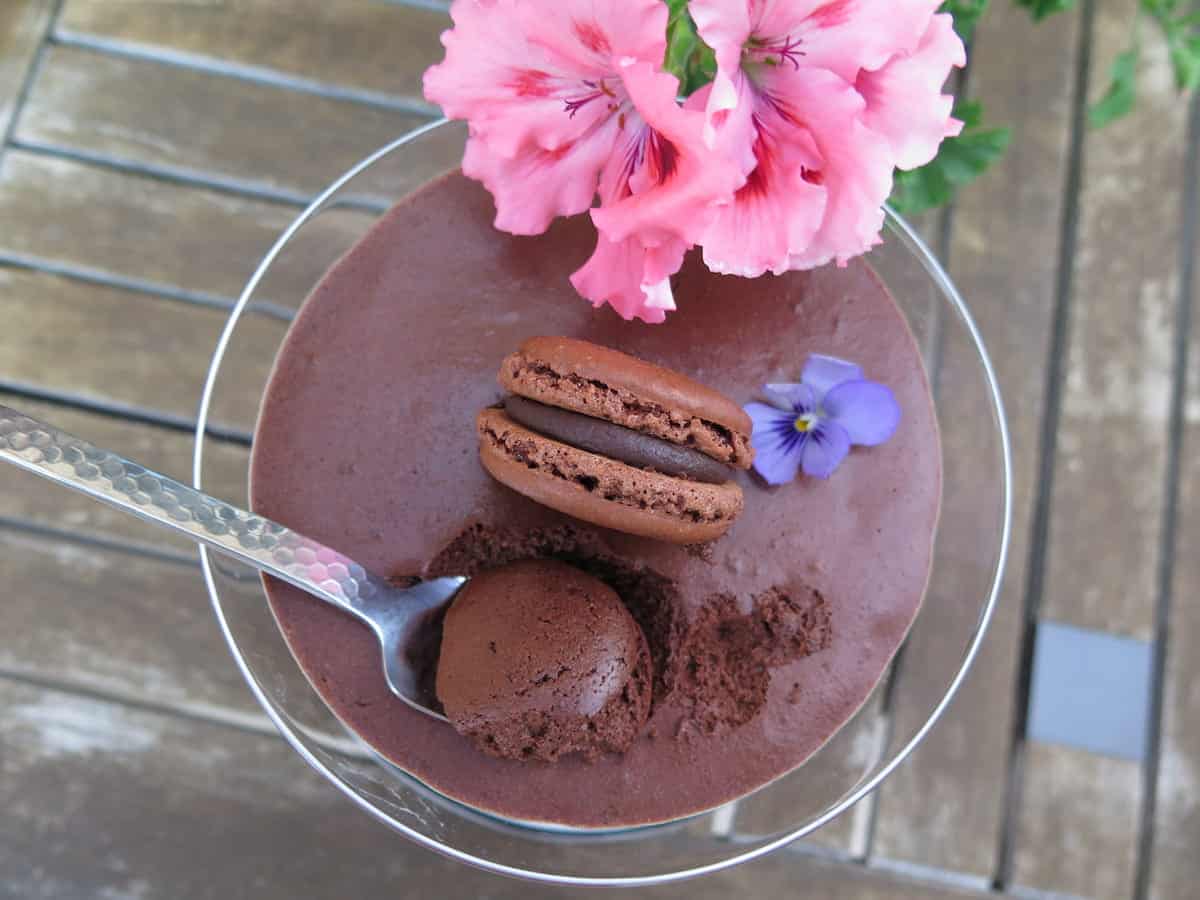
{"type": "Point", "coordinates": [389, 363]}
{"type": "Point", "coordinates": [539, 660]}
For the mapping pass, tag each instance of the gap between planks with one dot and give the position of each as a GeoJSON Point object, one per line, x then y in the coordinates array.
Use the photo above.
{"type": "Point", "coordinates": [1170, 517]}
{"type": "Point", "coordinates": [205, 713]}
{"type": "Point", "coordinates": [256, 723]}
{"type": "Point", "coordinates": [176, 175]}
{"type": "Point", "coordinates": [101, 278]}
{"type": "Point", "coordinates": [31, 74]}
{"type": "Point", "coordinates": [117, 410]}
{"type": "Point", "coordinates": [243, 71]}
{"type": "Point", "coordinates": [1056, 368]}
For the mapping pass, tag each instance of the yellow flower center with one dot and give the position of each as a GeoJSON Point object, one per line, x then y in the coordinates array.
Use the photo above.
{"type": "Point", "coordinates": [804, 423]}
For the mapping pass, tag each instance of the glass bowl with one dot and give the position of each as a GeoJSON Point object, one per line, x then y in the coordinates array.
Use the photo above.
{"type": "Point", "coordinates": [967, 566]}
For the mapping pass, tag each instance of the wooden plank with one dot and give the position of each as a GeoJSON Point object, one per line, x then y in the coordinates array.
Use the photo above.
{"type": "Point", "coordinates": [31, 499]}
{"type": "Point", "coordinates": [1113, 432]}
{"type": "Point", "coordinates": [1073, 831]}
{"type": "Point", "coordinates": [22, 25]}
{"type": "Point", "coordinates": [103, 800]}
{"type": "Point", "coordinates": [944, 807]}
{"type": "Point", "coordinates": [383, 48]}
{"type": "Point", "coordinates": [188, 238]}
{"type": "Point", "coordinates": [1112, 453]}
{"type": "Point", "coordinates": [115, 622]}
{"type": "Point", "coordinates": [1175, 868]}
{"type": "Point", "coordinates": [167, 116]}
{"type": "Point", "coordinates": [115, 345]}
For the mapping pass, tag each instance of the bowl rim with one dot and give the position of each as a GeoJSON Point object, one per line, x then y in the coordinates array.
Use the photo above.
{"type": "Point", "coordinates": [949, 291]}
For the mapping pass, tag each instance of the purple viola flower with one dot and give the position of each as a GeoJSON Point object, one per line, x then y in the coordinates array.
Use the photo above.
{"type": "Point", "coordinates": [813, 424]}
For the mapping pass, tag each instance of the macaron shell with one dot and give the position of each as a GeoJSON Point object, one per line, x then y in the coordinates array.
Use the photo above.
{"type": "Point", "coordinates": [649, 504]}
{"type": "Point", "coordinates": [598, 381]}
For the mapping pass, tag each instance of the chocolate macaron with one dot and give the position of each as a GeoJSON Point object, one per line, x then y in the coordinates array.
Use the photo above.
{"type": "Point", "coordinates": [616, 441]}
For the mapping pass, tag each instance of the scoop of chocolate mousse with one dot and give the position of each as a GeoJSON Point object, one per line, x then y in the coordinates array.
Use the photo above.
{"type": "Point", "coordinates": [539, 659]}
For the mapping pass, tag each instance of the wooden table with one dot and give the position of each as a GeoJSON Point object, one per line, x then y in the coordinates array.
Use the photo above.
{"type": "Point", "coordinates": [152, 151]}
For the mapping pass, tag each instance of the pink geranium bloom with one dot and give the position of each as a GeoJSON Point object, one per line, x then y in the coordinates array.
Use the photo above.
{"type": "Point", "coordinates": [631, 278]}
{"type": "Point", "coordinates": [905, 103]}
{"type": "Point", "coordinates": [819, 101]}
{"type": "Point", "coordinates": [659, 191]}
{"type": "Point", "coordinates": [564, 99]}
{"type": "Point", "coordinates": [538, 84]}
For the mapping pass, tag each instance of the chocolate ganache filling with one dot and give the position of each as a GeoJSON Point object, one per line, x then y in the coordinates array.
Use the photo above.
{"type": "Point", "coordinates": [615, 441]}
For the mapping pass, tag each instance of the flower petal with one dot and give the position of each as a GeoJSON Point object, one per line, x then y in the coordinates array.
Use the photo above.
{"type": "Point", "coordinates": [905, 103]}
{"type": "Point", "coordinates": [725, 25]}
{"type": "Point", "coordinates": [855, 168]}
{"type": "Point", "coordinates": [796, 399]}
{"type": "Point", "coordinates": [777, 211]}
{"type": "Point", "coordinates": [593, 34]}
{"type": "Point", "coordinates": [512, 92]}
{"type": "Point", "coordinates": [634, 281]}
{"type": "Point", "coordinates": [826, 447]}
{"type": "Point", "coordinates": [663, 182]}
{"type": "Point", "coordinates": [538, 84]}
{"type": "Point", "coordinates": [824, 373]}
{"type": "Point", "coordinates": [777, 444]}
{"type": "Point", "coordinates": [867, 410]}
{"type": "Point", "coordinates": [842, 36]}
{"type": "Point", "coordinates": [663, 261]}
{"type": "Point", "coordinates": [845, 36]}
{"type": "Point", "coordinates": [730, 130]}
{"type": "Point", "coordinates": [565, 179]}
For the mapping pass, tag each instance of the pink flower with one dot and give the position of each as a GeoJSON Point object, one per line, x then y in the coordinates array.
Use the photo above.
{"type": "Point", "coordinates": [564, 99]}
{"type": "Point", "coordinates": [819, 101]}
{"type": "Point", "coordinates": [538, 84]}
{"type": "Point", "coordinates": [659, 192]}
{"type": "Point", "coordinates": [783, 162]}
{"type": "Point", "coordinates": [631, 278]}
{"type": "Point", "coordinates": [905, 105]}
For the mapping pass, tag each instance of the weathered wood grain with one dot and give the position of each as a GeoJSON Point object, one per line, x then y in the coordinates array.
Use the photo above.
{"type": "Point", "coordinates": [1073, 829]}
{"type": "Point", "coordinates": [944, 807]}
{"type": "Point", "coordinates": [376, 47]}
{"type": "Point", "coordinates": [195, 122]}
{"type": "Point", "coordinates": [184, 237]}
{"type": "Point", "coordinates": [114, 622]}
{"type": "Point", "coordinates": [103, 800]}
{"type": "Point", "coordinates": [1175, 867]}
{"type": "Point", "coordinates": [1106, 507]}
{"type": "Point", "coordinates": [1113, 430]}
{"type": "Point", "coordinates": [109, 344]}
{"type": "Point", "coordinates": [31, 499]}
{"type": "Point", "coordinates": [22, 26]}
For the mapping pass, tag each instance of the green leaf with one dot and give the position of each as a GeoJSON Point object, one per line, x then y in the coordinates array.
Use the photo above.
{"type": "Point", "coordinates": [960, 161]}
{"type": "Point", "coordinates": [1183, 43]}
{"type": "Point", "coordinates": [688, 58]}
{"type": "Point", "coordinates": [1042, 8]}
{"type": "Point", "coordinates": [1122, 90]}
{"type": "Point", "coordinates": [921, 189]}
{"type": "Point", "coordinates": [1185, 58]}
{"type": "Point", "coordinates": [681, 43]}
{"type": "Point", "coordinates": [966, 15]}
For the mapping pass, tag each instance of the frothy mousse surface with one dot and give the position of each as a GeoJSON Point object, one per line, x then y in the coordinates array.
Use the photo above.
{"type": "Point", "coordinates": [366, 441]}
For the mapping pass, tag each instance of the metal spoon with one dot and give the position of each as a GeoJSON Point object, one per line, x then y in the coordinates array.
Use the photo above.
{"type": "Point", "coordinates": [399, 617]}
